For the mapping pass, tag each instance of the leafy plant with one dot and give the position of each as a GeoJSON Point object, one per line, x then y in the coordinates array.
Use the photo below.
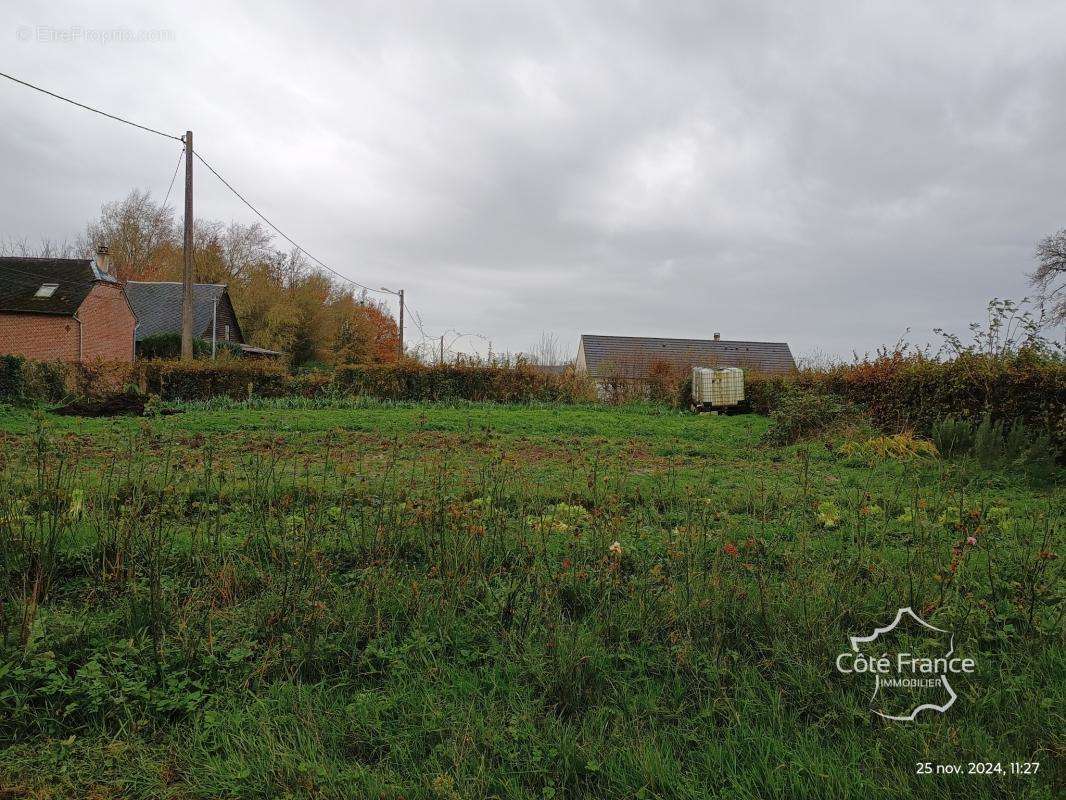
{"type": "Point", "coordinates": [802, 414]}
{"type": "Point", "coordinates": [952, 436]}
{"type": "Point", "coordinates": [900, 447]}
{"type": "Point", "coordinates": [11, 377]}
{"type": "Point", "coordinates": [828, 515]}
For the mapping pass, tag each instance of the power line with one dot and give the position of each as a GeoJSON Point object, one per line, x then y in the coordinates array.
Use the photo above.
{"type": "Point", "coordinates": [174, 177]}
{"type": "Point", "coordinates": [162, 208]}
{"type": "Point", "coordinates": [89, 108]}
{"type": "Point", "coordinates": [214, 172]}
{"type": "Point", "coordinates": [281, 233]}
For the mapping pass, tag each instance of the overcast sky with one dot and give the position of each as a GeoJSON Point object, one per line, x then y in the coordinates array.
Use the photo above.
{"type": "Point", "coordinates": [826, 174]}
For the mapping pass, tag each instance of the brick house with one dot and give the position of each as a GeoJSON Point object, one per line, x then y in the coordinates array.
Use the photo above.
{"type": "Point", "coordinates": [70, 309]}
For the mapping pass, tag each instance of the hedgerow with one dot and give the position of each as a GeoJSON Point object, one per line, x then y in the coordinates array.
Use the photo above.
{"type": "Point", "coordinates": [201, 380]}
{"type": "Point", "coordinates": [520, 383]}
{"type": "Point", "coordinates": [11, 379]}
{"type": "Point", "coordinates": [910, 391]}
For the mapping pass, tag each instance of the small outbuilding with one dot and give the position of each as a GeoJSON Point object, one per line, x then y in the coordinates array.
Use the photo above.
{"type": "Point", "coordinates": [158, 308]}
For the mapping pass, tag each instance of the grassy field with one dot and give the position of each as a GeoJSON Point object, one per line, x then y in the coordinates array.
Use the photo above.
{"type": "Point", "coordinates": [486, 601]}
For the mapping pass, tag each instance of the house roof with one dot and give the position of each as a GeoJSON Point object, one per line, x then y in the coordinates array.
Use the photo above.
{"type": "Point", "coordinates": [157, 305]}
{"type": "Point", "coordinates": [633, 355]}
{"type": "Point", "coordinates": [21, 278]}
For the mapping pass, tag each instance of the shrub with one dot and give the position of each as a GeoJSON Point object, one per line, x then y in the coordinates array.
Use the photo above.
{"type": "Point", "coordinates": [910, 391]}
{"type": "Point", "coordinates": [201, 380]}
{"type": "Point", "coordinates": [168, 346]}
{"type": "Point", "coordinates": [953, 437]}
{"type": "Point", "coordinates": [99, 379]}
{"type": "Point", "coordinates": [763, 392]}
{"type": "Point", "coordinates": [993, 443]}
{"type": "Point", "coordinates": [11, 378]}
{"type": "Point", "coordinates": [801, 414]}
{"type": "Point", "coordinates": [899, 447]}
{"type": "Point", "coordinates": [47, 381]}
{"type": "Point", "coordinates": [665, 382]}
{"type": "Point", "coordinates": [421, 383]}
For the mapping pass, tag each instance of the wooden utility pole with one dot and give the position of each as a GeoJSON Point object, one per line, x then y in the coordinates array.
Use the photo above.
{"type": "Point", "coordinates": [442, 349]}
{"type": "Point", "coordinates": [187, 277]}
{"type": "Point", "coordinates": [401, 324]}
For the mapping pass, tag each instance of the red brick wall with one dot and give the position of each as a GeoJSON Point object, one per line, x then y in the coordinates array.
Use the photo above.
{"type": "Point", "coordinates": [43, 337]}
{"type": "Point", "coordinates": [107, 327]}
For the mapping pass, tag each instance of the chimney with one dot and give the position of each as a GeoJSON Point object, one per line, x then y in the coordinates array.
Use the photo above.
{"type": "Point", "coordinates": [103, 260]}
{"type": "Point", "coordinates": [717, 336]}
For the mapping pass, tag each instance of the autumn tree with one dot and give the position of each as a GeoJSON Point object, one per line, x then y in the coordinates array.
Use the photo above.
{"type": "Point", "coordinates": [136, 230]}
{"type": "Point", "coordinates": [282, 302]}
{"type": "Point", "coordinates": [365, 332]}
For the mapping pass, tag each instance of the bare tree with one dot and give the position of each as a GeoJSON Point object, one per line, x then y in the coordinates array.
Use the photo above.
{"type": "Point", "coordinates": [136, 229]}
{"type": "Point", "coordinates": [1050, 276]}
{"type": "Point", "coordinates": [817, 361]}
{"type": "Point", "coordinates": [549, 351]}
{"type": "Point", "coordinates": [48, 248]}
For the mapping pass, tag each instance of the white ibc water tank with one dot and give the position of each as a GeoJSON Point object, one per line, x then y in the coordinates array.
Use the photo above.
{"type": "Point", "coordinates": [717, 387]}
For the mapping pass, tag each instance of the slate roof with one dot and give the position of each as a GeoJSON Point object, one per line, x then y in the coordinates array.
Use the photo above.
{"type": "Point", "coordinates": [631, 356]}
{"type": "Point", "coordinates": [157, 305]}
{"type": "Point", "coordinates": [20, 278]}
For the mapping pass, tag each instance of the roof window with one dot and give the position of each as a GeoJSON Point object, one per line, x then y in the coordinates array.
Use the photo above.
{"type": "Point", "coordinates": [47, 290]}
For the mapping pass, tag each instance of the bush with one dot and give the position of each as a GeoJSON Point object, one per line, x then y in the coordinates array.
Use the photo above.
{"type": "Point", "coordinates": [762, 393]}
{"type": "Point", "coordinates": [201, 380]}
{"type": "Point", "coordinates": [900, 447]}
{"type": "Point", "coordinates": [994, 443]}
{"type": "Point", "coordinates": [168, 346]}
{"type": "Point", "coordinates": [416, 382]}
{"type": "Point", "coordinates": [953, 437]}
{"type": "Point", "coordinates": [11, 378]}
{"type": "Point", "coordinates": [910, 391]}
{"type": "Point", "coordinates": [801, 414]}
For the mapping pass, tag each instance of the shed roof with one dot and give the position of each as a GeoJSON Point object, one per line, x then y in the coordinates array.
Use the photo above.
{"type": "Point", "coordinates": [157, 305]}
{"type": "Point", "coordinates": [634, 355]}
{"type": "Point", "coordinates": [21, 278]}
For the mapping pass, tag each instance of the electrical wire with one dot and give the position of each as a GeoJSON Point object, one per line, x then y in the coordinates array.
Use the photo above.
{"type": "Point", "coordinates": [174, 177]}
{"type": "Point", "coordinates": [90, 108]}
{"type": "Point", "coordinates": [415, 316]}
{"type": "Point", "coordinates": [166, 199]}
{"type": "Point", "coordinates": [281, 233]}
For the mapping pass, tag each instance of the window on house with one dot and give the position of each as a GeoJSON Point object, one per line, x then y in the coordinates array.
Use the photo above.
{"type": "Point", "coordinates": [47, 290]}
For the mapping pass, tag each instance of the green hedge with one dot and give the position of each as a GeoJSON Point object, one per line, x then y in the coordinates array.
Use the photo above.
{"type": "Point", "coordinates": [425, 383]}
{"type": "Point", "coordinates": [913, 392]}
{"type": "Point", "coordinates": [176, 380]}
{"type": "Point", "coordinates": [22, 380]}
{"type": "Point", "coordinates": [11, 378]}
{"type": "Point", "coordinates": [168, 345]}
{"type": "Point", "coordinates": [202, 380]}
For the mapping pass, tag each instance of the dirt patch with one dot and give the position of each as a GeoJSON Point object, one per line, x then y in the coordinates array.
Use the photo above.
{"type": "Point", "coordinates": [114, 406]}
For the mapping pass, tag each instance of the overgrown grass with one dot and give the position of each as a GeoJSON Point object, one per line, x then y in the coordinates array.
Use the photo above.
{"type": "Point", "coordinates": [387, 600]}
